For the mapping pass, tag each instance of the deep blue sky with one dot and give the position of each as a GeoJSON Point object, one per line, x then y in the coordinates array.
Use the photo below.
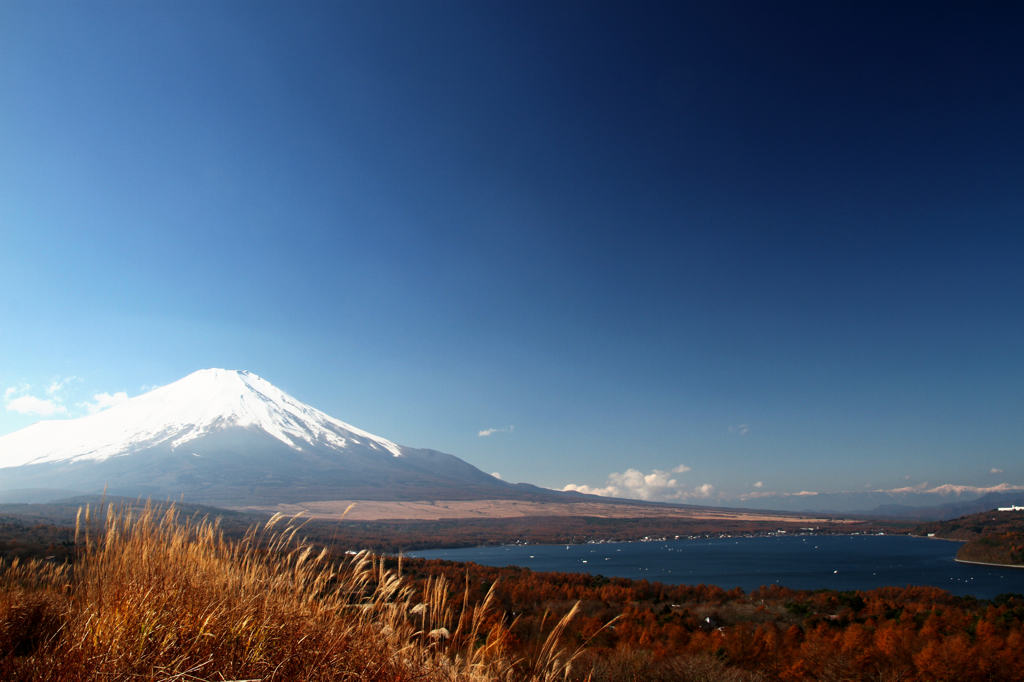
{"type": "Point", "coordinates": [772, 242]}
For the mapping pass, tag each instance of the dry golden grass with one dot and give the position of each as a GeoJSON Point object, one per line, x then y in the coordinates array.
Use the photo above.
{"type": "Point", "coordinates": [432, 510]}
{"type": "Point", "coordinates": [159, 597]}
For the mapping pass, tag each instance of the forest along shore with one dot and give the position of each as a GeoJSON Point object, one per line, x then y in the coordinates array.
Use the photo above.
{"type": "Point", "coordinates": [47, 525]}
{"type": "Point", "coordinates": [993, 538]}
{"type": "Point", "coordinates": [660, 631]}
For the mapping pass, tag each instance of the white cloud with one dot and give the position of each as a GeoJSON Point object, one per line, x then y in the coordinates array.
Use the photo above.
{"type": "Point", "coordinates": [103, 401]}
{"type": "Point", "coordinates": [58, 384]}
{"type": "Point", "coordinates": [29, 404]}
{"type": "Point", "coordinates": [742, 429]}
{"type": "Point", "coordinates": [608, 491]}
{"type": "Point", "coordinates": [18, 399]}
{"type": "Point", "coordinates": [497, 475]}
{"type": "Point", "coordinates": [768, 493]}
{"type": "Point", "coordinates": [12, 391]}
{"type": "Point", "coordinates": [657, 485]}
{"type": "Point", "coordinates": [993, 470]}
{"type": "Point", "coordinates": [703, 490]}
{"type": "Point", "coordinates": [759, 484]}
{"type": "Point", "coordinates": [484, 433]}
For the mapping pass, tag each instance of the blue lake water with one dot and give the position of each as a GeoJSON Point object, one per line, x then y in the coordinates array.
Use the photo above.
{"type": "Point", "coordinates": [836, 562]}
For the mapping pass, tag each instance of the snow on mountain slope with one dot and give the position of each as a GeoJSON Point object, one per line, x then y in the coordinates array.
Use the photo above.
{"type": "Point", "coordinates": [230, 438]}
{"type": "Point", "coordinates": [202, 403]}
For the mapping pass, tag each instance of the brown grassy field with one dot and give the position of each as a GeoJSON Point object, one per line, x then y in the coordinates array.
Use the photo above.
{"type": "Point", "coordinates": [158, 597]}
{"type": "Point", "coordinates": [376, 510]}
{"type": "Point", "coordinates": [149, 594]}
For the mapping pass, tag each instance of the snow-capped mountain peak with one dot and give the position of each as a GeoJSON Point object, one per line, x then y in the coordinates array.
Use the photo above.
{"type": "Point", "coordinates": [202, 403]}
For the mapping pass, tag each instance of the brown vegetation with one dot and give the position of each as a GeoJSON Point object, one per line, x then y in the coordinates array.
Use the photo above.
{"type": "Point", "coordinates": [704, 632]}
{"type": "Point", "coordinates": [432, 510]}
{"type": "Point", "coordinates": [1006, 549]}
{"type": "Point", "coordinates": [992, 537]}
{"type": "Point", "coordinates": [161, 597]}
{"type": "Point", "coordinates": [158, 597]}
{"type": "Point", "coordinates": [25, 529]}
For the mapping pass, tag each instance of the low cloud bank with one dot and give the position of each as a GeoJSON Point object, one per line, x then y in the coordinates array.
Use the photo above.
{"type": "Point", "coordinates": [484, 433]}
{"type": "Point", "coordinates": [40, 407]}
{"type": "Point", "coordinates": [103, 401]}
{"type": "Point", "coordinates": [20, 399]}
{"type": "Point", "coordinates": [656, 486]}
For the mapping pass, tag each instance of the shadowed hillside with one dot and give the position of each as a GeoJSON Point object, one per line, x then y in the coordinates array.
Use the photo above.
{"type": "Point", "coordinates": [992, 537]}
{"type": "Point", "coordinates": [153, 596]}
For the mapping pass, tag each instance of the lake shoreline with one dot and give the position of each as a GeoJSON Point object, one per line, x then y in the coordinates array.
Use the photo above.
{"type": "Point", "coordinates": [986, 563]}
{"type": "Point", "coordinates": [808, 562]}
{"type": "Point", "coordinates": [679, 538]}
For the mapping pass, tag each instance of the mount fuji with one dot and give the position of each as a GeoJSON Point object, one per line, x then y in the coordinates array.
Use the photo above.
{"type": "Point", "coordinates": [227, 437]}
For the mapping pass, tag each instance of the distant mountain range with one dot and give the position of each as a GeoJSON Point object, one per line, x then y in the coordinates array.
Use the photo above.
{"type": "Point", "coordinates": [230, 438]}
{"type": "Point", "coordinates": [948, 510]}
{"type": "Point", "coordinates": [226, 438]}
{"type": "Point", "coordinates": [933, 504]}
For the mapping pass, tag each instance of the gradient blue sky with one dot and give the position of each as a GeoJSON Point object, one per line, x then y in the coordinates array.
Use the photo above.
{"type": "Point", "coordinates": [770, 242]}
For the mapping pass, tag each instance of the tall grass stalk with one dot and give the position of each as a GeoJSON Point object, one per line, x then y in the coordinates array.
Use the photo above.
{"type": "Point", "coordinates": [161, 597]}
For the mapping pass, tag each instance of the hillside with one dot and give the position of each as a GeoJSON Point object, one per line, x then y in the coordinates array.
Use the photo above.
{"type": "Point", "coordinates": [946, 510]}
{"type": "Point", "coordinates": [43, 529]}
{"type": "Point", "coordinates": [992, 537]}
{"type": "Point", "coordinates": [231, 438]}
{"type": "Point", "coordinates": [159, 597]}
{"type": "Point", "coordinates": [156, 596]}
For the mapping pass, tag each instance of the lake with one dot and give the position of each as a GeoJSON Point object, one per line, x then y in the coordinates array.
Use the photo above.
{"type": "Point", "coordinates": [804, 562]}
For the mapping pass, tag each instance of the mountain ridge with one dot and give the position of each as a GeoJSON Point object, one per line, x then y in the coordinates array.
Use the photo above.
{"type": "Point", "coordinates": [230, 437]}
{"type": "Point", "coordinates": [182, 411]}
